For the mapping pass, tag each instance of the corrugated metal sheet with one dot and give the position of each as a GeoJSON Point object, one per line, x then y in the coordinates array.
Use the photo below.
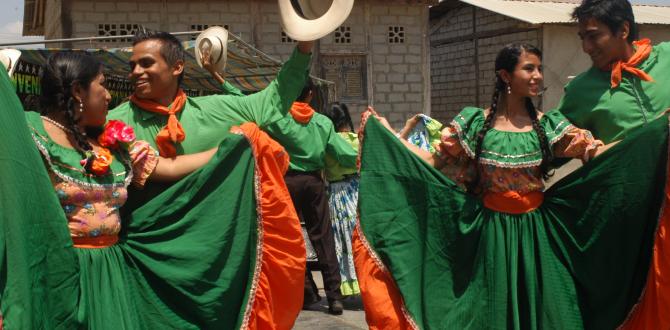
{"type": "Point", "coordinates": [542, 12]}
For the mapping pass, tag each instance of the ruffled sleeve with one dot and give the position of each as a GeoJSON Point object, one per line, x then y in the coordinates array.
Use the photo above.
{"type": "Point", "coordinates": [144, 159]}
{"type": "Point", "coordinates": [460, 136]}
{"type": "Point", "coordinates": [449, 147]}
{"type": "Point", "coordinates": [568, 141]}
{"type": "Point", "coordinates": [456, 145]}
{"type": "Point", "coordinates": [577, 143]}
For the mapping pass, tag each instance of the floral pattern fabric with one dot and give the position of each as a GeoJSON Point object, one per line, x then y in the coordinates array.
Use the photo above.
{"type": "Point", "coordinates": [342, 202]}
{"type": "Point", "coordinates": [91, 203]}
{"type": "Point", "coordinates": [501, 170]}
{"type": "Point", "coordinates": [94, 212]}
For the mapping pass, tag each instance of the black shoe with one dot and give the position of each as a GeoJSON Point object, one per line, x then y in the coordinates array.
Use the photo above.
{"type": "Point", "coordinates": [335, 307]}
{"type": "Point", "coordinates": [310, 299]}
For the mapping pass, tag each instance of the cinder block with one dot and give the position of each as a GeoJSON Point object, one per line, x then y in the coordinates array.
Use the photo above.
{"type": "Point", "coordinates": [126, 6]}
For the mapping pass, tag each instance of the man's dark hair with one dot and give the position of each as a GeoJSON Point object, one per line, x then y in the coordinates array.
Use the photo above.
{"type": "Point", "coordinates": [612, 13]}
{"type": "Point", "coordinates": [309, 87]}
{"type": "Point", "coordinates": [171, 48]}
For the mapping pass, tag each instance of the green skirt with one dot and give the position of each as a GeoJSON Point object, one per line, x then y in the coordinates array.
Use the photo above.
{"type": "Point", "coordinates": [104, 286]}
{"type": "Point", "coordinates": [578, 261]}
{"type": "Point", "coordinates": [188, 259]}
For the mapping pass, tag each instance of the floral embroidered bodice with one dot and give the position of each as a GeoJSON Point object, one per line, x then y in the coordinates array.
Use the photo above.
{"type": "Point", "coordinates": [91, 203]}
{"type": "Point", "coordinates": [509, 161]}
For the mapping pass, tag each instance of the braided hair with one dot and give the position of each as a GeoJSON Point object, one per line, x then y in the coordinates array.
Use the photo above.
{"type": "Point", "coordinates": [61, 72]}
{"type": "Point", "coordinates": [507, 60]}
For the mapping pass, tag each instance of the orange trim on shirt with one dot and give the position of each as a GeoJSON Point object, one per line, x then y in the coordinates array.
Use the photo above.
{"type": "Point", "coordinates": [512, 202]}
{"type": "Point", "coordinates": [278, 297]}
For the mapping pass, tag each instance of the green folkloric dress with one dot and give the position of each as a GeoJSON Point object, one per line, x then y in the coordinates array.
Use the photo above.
{"type": "Point", "coordinates": [435, 257]}
{"type": "Point", "coordinates": [208, 253]}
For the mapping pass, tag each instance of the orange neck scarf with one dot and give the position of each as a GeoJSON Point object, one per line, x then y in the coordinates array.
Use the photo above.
{"type": "Point", "coordinates": [302, 112]}
{"type": "Point", "coordinates": [172, 133]}
{"type": "Point", "coordinates": [641, 54]}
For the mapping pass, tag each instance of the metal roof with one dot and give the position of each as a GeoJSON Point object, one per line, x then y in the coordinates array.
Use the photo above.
{"type": "Point", "coordinates": [542, 12]}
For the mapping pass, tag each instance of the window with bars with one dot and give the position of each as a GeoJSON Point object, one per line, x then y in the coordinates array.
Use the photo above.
{"type": "Point", "coordinates": [117, 29]}
{"type": "Point", "coordinates": [343, 35]}
{"type": "Point", "coordinates": [349, 74]}
{"type": "Point", "coordinates": [285, 39]}
{"type": "Point", "coordinates": [202, 27]}
{"type": "Point", "coordinates": [396, 34]}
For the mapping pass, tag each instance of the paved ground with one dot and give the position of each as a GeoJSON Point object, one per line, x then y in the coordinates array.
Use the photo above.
{"type": "Point", "coordinates": [317, 316]}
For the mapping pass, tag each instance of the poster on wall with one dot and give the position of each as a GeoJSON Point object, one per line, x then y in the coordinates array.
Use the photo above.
{"type": "Point", "coordinates": [26, 81]}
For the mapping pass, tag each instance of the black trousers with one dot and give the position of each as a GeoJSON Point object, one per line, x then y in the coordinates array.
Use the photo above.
{"type": "Point", "coordinates": [310, 199]}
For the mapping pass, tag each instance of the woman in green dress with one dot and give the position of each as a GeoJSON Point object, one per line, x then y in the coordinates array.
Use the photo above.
{"type": "Point", "coordinates": [468, 238]}
{"type": "Point", "coordinates": [194, 257]}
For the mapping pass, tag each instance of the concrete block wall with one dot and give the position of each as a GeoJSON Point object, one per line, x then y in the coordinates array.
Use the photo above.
{"type": "Point", "coordinates": [453, 76]}
{"type": "Point", "coordinates": [87, 15]}
{"type": "Point", "coordinates": [396, 73]}
{"type": "Point", "coordinates": [455, 82]}
{"type": "Point", "coordinates": [399, 74]}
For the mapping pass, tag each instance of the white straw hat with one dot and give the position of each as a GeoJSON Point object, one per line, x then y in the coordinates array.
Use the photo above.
{"type": "Point", "coordinates": [321, 18]}
{"type": "Point", "coordinates": [214, 39]}
{"type": "Point", "coordinates": [9, 58]}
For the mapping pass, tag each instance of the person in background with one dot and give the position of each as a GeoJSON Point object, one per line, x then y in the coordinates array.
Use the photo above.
{"type": "Point", "coordinates": [343, 199]}
{"type": "Point", "coordinates": [308, 137]}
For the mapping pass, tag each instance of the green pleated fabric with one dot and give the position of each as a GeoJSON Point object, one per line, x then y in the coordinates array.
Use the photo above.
{"type": "Point", "coordinates": [38, 267]}
{"type": "Point", "coordinates": [578, 261]}
{"type": "Point", "coordinates": [185, 260]}
{"type": "Point", "coordinates": [192, 249]}
{"type": "Point", "coordinates": [106, 291]}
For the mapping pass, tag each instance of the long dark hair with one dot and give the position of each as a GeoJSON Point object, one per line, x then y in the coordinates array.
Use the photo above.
{"type": "Point", "coordinates": [60, 73]}
{"type": "Point", "coordinates": [507, 60]}
{"type": "Point", "coordinates": [339, 114]}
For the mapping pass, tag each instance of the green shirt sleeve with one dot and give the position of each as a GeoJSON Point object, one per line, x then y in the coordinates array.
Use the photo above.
{"type": "Point", "coordinates": [230, 89]}
{"type": "Point", "coordinates": [265, 107]}
{"type": "Point", "coordinates": [338, 148]}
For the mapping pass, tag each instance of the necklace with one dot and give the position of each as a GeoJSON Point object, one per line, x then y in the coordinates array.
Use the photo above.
{"type": "Point", "coordinates": [59, 125]}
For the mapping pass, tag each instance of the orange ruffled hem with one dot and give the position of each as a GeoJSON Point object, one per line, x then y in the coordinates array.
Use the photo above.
{"type": "Point", "coordinates": [652, 311]}
{"type": "Point", "coordinates": [280, 267]}
{"type": "Point", "coordinates": [383, 304]}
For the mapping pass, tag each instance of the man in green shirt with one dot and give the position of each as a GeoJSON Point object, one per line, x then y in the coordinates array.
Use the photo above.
{"type": "Point", "coordinates": [627, 86]}
{"type": "Point", "coordinates": [176, 124]}
{"type": "Point", "coordinates": [308, 137]}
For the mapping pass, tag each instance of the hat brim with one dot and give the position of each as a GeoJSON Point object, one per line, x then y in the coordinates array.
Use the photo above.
{"type": "Point", "coordinates": [12, 55]}
{"type": "Point", "coordinates": [302, 29]}
{"type": "Point", "coordinates": [218, 37]}
{"type": "Point", "coordinates": [314, 9]}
